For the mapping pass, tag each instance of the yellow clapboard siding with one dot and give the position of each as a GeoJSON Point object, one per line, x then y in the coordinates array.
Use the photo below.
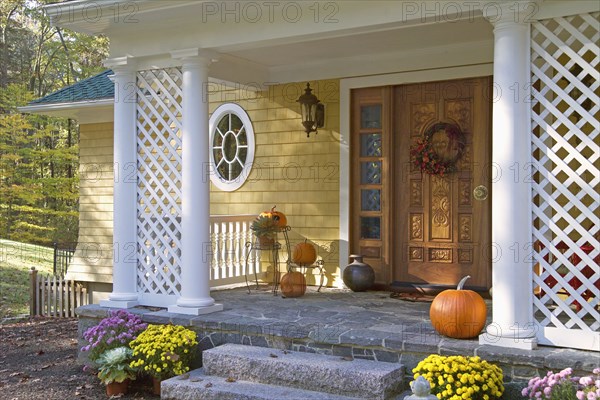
{"type": "Point", "coordinates": [92, 190]}
{"type": "Point", "coordinates": [104, 159]}
{"type": "Point", "coordinates": [298, 174]}
{"type": "Point", "coordinates": [97, 224]}
{"type": "Point", "coordinates": [96, 200]}
{"type": "Point", "coordinates": [100, 236]}
{"type": "Point", "coordinates": [103, 142]}
{"type": "Point", "coordinates": [93, 257]}
{"type": "Point", "coordinates": [84, 151]}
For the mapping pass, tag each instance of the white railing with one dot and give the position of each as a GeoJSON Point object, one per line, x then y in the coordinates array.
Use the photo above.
{"type": "Point", "coordinates": [229, 234]}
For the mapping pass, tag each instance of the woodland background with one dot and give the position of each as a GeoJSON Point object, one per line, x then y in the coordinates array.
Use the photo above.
{"type": "Point", "coordinates": [39, 155]}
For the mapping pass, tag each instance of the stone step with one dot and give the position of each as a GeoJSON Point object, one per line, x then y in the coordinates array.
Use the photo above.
{"type": "Point", "coordinates": [308, 371]}
{"type": "Point", "coordinates": [199, 386]}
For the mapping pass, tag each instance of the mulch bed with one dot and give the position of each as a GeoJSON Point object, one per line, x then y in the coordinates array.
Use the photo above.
{"type": "Point", "coordinates": [38, 361]}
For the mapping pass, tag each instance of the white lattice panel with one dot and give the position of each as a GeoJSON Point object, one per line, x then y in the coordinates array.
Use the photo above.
{"type": "Point", "coordinates": [566, 159]}
{"type": "Point", "coordinates": [159, 111]}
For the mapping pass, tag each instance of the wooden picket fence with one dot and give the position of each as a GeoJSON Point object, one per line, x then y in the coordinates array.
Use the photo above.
{"type": "Point", "coordinates": [54, 296]}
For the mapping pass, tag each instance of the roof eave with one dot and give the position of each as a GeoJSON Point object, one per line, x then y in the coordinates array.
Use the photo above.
{"type": "Point", "coordinates": [98, 16]}
{"type": "Point", "coordinates": [90, 111]}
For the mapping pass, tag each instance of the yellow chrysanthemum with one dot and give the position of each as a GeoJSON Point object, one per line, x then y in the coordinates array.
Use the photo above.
{"type": "Point", "coordinates": [165, 350]}
{"type": "Point", "coordinates": [460, 377]}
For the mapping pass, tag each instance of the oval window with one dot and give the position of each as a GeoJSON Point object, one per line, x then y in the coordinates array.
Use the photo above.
{"type": "Point", "coordinates": [232, 146]}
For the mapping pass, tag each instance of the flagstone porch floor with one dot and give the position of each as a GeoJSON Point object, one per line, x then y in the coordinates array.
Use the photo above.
{"type": "Point", "coordinates": [367, 325]}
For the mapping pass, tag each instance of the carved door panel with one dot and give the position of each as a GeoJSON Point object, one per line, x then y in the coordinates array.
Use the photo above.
{"type": "Point", "coordinates": [442, 231]}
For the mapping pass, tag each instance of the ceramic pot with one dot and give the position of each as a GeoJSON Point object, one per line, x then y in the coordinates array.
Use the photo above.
{"type": "Point", "coordinates": [117, 388]}
{"type": "Point", "coordinates": [358, 276]}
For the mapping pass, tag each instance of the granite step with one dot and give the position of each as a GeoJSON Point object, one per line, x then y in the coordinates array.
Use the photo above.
{"type": "Point", "coordinates": [199, 386]}
{"type": "Point", "coordinates": [309, 371]}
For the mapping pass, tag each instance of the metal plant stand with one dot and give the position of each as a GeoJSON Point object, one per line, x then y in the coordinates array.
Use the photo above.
{"type": "Point", "coordinates": [255, 246]}
{"type": "Point", "coordinates": [291, 265]}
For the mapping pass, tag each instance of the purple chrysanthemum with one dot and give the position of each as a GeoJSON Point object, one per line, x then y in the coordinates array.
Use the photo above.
{"type": "Point", "coordinates": [120, 327]}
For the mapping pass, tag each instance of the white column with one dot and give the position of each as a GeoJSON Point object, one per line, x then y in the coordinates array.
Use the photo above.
{"type": "Point", "coordinates": [124, 294]}
{"type": "Point", "coordinates": [195, 187]}
{"type": "Point", "coordinates": [512, 305]}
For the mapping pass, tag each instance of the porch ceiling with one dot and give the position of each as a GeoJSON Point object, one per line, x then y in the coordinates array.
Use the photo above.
{"type": "Point", "coordinates": [361, 37]}
{"type": "Point", "coordinates": [414, 47]}
{"type": "Point", "coordinates": [398, 40]}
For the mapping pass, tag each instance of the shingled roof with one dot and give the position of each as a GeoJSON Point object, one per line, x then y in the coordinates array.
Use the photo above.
{"type": "Point", "coordinates": [93, 88]}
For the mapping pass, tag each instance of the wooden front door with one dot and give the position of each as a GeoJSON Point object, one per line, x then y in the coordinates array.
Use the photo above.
{"type": "Point", "coordinates": [413, 227]}
{"type": "Point", "coordinates": [442, 230]}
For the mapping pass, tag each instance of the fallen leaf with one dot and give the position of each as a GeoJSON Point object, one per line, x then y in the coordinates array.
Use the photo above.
{"type": "Point", "coordinates": [208, 385]}
{"type": "Point", "coordinates": [184, 376]}
{"type": "Point", "coordinates": [347, 359]}
{"type": "Point", "coordinates": [39, 353]}
{"type": "Point", "coordinates": [230, 379]}
{"type": "Point", "coordinates": [273, 355]}
{"type": "Point", "coordinates": [196, 380]}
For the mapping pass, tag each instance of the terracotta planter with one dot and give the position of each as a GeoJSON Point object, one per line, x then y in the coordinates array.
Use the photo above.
{"type": "Point", "coordinates": [266, 242]}
{"type": "Point", "coordinates": [117, 388]}
{"type": "Point", "coordinates": [156, 386]}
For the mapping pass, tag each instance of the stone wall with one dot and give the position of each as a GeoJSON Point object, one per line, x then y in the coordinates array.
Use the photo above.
{"type": "Point", "coordinates": [215, 329]}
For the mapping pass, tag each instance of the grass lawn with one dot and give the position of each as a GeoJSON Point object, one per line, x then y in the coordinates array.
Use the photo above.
{"type": "Point", "coordinates": [16, 259]}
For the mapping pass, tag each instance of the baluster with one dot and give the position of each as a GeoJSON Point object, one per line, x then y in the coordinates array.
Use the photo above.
{"type": "Point", "coordinates": [225, 261]}
{"type": "Point", "coordinates": [230, 247]}
{"type": "Point", "coordinates": [236, 249]}
{"type": "Point", "coordinates": [216, 254]}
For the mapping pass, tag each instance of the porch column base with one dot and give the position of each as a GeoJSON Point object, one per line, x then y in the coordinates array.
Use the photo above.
{"type": "Point", "coordinates": [195, 310]}
{"type": "Point", "coordinates": [118, 303]}
{"type": "Point", "coordinates": [513, 342]}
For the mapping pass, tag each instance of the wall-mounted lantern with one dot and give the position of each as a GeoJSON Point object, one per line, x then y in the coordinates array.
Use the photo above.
{"type": "Point", "coordinates": [313, 111]}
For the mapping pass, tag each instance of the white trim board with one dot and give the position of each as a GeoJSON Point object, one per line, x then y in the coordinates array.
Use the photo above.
{"type": "Point", "coordinates": [402, 78]}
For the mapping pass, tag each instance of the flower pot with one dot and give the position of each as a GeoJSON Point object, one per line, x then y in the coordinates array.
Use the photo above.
{"type": "Point", "coordinates": [266, 241]}
{"type": "Point", "coordinates": [117, 388]}
{"type": "Point", "coordinates": [156, 386]}
{"type": "Point", "coordinates": [358, 276]}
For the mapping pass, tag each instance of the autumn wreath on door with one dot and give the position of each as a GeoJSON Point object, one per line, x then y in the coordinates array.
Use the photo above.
{"type": "Point", "coordinates": [439, 150]}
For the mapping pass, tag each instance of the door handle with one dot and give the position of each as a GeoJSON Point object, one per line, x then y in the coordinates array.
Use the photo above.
{"type": "Point", "coordinates": [480, 193]}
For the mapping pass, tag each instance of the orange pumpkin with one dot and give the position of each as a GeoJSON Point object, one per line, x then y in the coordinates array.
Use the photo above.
{"type": "Point", "coordinates": [279, 217]}
{"type": "Point", "coordinates": [458, 313]}
{"type": "Point", "coordinates": [304, 253]}
{"type": "Point", "coordinates": [293, 284]}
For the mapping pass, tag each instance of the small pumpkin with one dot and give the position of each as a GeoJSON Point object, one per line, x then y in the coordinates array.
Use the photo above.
{"type": "Point", "coordinates": [279, 217]}
{"type": "Point", "coordinates": [293, 284]}
{"type": "Point", "coordinates": [304, 253]}
{"type": "Point", "coordinates": [459, 313]}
